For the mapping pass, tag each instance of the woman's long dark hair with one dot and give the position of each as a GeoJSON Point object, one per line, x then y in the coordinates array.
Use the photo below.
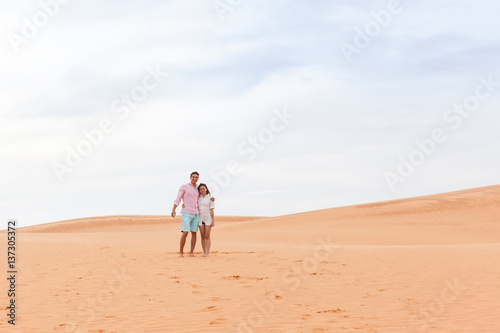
{"type": "Point", "coordinates": [201, 184]}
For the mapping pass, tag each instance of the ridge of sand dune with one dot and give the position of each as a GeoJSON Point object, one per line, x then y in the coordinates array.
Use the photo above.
{"type": "Point", "coordinates": [460, 217]}
{"type": "Point", "coordinates": [135, 223]}
{"type": "Point", "coordinates": [466, 216]}
{"type": "Point", "coordinates": [463, 199]}
{"type": "Point", "coordinates": [416, 220]}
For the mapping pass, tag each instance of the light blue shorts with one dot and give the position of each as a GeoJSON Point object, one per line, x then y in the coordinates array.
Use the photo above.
{"type": "Point", "coordinates": [189, 222]}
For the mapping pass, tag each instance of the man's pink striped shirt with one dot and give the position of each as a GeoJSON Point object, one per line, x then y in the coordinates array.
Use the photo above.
{"type": "Point", "coordinates": [189, 195]}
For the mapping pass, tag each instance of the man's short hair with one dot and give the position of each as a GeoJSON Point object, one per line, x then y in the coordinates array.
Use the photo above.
{"type": "Point", "coordinates": [194, 173]}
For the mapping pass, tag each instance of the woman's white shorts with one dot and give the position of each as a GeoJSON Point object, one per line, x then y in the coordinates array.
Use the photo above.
{"type": "Point", "coordinates": [205, 223]}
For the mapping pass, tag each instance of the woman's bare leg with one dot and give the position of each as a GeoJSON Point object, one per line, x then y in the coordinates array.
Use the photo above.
{"type": "Point", "coordinates": [207, 239]}
{"type": "Point", "coordinates": [202, 232]}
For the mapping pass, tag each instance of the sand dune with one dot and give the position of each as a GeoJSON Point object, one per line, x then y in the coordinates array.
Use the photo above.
{"type": "Point", "coordinates": [424, 264]}
{"type": "Point", "coordinates": [133, 223]}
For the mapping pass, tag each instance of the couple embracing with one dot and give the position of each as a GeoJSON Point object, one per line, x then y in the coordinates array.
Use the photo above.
{"type": "Point", "coordinates": [197, 212]}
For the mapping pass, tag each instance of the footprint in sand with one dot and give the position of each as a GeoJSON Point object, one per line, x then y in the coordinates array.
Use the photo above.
{"type": "Point", "coordinates": [336, 310]}
{"type": "Point", "coordinates": [210, 308]}
{"type": "Point", "coordinates": [218, 321]}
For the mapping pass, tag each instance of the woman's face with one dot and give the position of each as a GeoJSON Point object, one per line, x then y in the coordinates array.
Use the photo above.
{"type": "Point", "coordinates": [203, 190]}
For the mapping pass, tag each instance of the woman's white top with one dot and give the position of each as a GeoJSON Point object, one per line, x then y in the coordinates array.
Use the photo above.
{"type": "Point", "coordinates": [205, 204]}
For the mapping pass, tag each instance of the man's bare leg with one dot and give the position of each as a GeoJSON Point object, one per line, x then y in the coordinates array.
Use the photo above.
{"type": "Point", "coordinates": [183, 242]}
{"type": "Point", "coordinates": [193, 243]}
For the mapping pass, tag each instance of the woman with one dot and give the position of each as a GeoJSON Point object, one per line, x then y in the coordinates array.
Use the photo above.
{"type": "Point", "coordinates": [207, 218]}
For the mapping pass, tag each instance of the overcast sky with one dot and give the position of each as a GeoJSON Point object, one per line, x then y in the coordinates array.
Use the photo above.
{"type": "Point", "coordinates": [282, 106]}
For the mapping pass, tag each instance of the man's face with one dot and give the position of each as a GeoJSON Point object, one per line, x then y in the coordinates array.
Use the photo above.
{"type": "Point", "coordinates": [194, 179]}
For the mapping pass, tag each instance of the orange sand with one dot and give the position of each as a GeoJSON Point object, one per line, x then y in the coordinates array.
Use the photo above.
{"type": "Point", "coordinates": [425, 264]}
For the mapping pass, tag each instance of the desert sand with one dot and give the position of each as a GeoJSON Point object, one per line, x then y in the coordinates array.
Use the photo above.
{"type": "Point", "coordinates": [423, 264]}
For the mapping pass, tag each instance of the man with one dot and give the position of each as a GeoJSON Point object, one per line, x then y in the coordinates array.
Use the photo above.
{"type": "Point", "coordinates": [189, 194]}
